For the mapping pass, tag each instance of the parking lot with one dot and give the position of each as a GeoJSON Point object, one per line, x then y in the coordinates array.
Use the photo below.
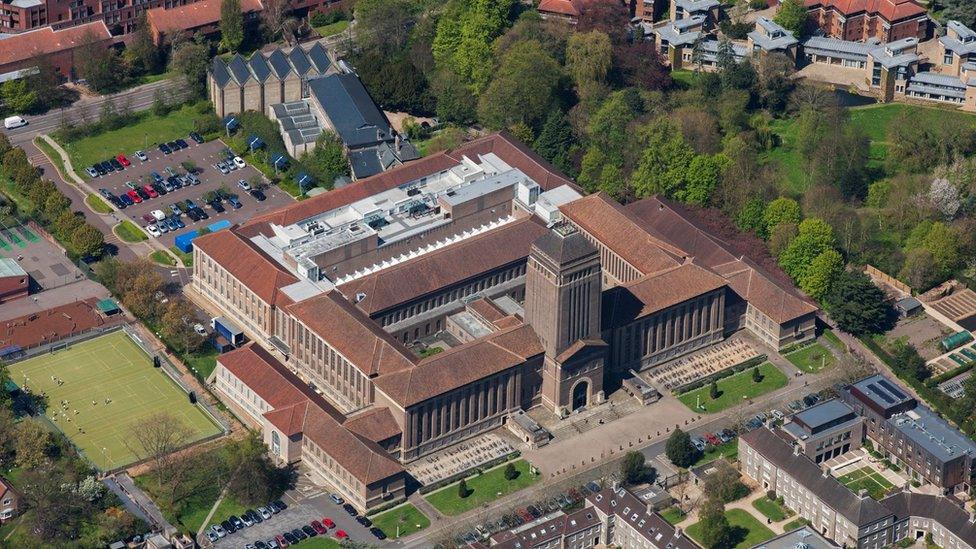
{"type": "Point", "coordinates": [203, 156]}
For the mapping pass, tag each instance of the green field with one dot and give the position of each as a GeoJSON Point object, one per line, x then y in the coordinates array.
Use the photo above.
{"type": "Point", "coordinates": [483, 488]}
{"type": "Point", "coordinates": [406, 516]}
{"type": "Point", "coordinates": [129, 232]}
{"type": "Point", "coordinates": [747, 531]}
{"type": "Point", "coordinates": [794, 524]}
{"type": "Point", "coordinates": [97, 205]}
{"type": "Point", "coordinates": [728, 450]}
{"type": "Point", "coordinates": [771, 509]}
{"type": "Point", "coordinates": [673, 515]}
{"type": "Point", "coordinates": [868, 479]}
{"type": "Point", "coordinates": [332, 29]}
{"type": "Point", "coordinates": [319, 542]}
{"type": "Point", "coordinates": [812, 358]}
{"type": "Point", "coordinates": [108, 367]}
{"type": "Point", "coordinates": [148, 132]}
{"type": "Point", "coordinates": [735, 389]}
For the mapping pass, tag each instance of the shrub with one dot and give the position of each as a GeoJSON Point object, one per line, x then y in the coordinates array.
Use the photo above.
{"type": "Point", "coordinates": [463, 490]}
{"type": "Point", "coordinates": [323, 18]}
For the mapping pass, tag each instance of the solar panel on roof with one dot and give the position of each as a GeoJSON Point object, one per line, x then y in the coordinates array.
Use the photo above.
{"type": "Point", "coordinates": [891, 389]}
{"type": "Point", "coordinates": [884, 396]}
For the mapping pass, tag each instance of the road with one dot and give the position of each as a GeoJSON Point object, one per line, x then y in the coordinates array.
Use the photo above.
{"type": "Point", "coordinates": [138, 99]}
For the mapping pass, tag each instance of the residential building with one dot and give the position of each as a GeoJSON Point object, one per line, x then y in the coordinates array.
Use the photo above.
{"type": "Point", "coordinates": [630, 523]}
{"type": "Point", "coordinates": [912, 436]}
{"type": "Point", "coordinates": [577, 530]}
{"type": "Point", "coordinates": [826, 430]}
{"type": "Point", "coordinates": [917, 515]}
{"type": "Point", "coordinates": [863, 20]}
{"type": "Point", "coordinates": [20, 53]}
{"type": "Point", "coordinates": [771, 37]}
{"type": "Point", "coordinates": [9, 501]}
{"type": "Point", "coordinates": [688, 43]}
{"type": "Point", "coordinates": [803, 537]}
{"type": "Point", "coordinates": [14, 280]}
{"type": "Point", "coordinates": [198, 17]}
{"type": "Point", "coordinates": [708, 9]}
{"type": "Point", "coordinates": [542, 294]}
{"type": "Point", "coordinates": [645, 10]}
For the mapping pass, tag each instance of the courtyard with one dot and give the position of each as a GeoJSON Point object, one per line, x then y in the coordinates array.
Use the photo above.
{"type": "Point", "coordinates": [866, 478]}
{"type": "Point", "coordinates": [108, 385]}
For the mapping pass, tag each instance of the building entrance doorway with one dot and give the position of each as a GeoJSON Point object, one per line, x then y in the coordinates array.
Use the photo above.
{"type": "Point", "coordinates": [579, 395]}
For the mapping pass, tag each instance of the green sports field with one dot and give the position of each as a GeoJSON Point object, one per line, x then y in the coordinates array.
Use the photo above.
{"type": "Point", "coordinates": [108, 367]}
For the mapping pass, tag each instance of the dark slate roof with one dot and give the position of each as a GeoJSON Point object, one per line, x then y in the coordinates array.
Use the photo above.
{"type": "Point", "coordinates": [238, 69]}
{"type": "Point", "coordinates": [365, 162]}
{"type": "Point", "coordinates": [299, 60]}
{"type": "Point", "coordinates": [564, 245]}
{"type": "Point", "coordinates": [319, 57]}
{"type": "Point", "coordinates": [279, 63]}
{"type": "Point", "coordinates": [940, 509]}
{"type": "Point", "coordinates": [357, 120]}
{"type": "Point", "coordinates": [858, 510]}
{"type": "Point", "coordinates": [259, 67]}
{"type": "Point", "coordinates": [219, 70]}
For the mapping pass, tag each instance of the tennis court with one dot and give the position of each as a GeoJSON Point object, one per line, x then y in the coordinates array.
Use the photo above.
{"type": "Point", "coordinates": [868, 479]}
{"type": "Point", "coordinates": [108, 385]}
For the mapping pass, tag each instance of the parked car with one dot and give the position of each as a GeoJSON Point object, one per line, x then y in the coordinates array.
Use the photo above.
{"type": "Point", "coordinates": [228, 526]}
{"type": "Point", "coordinates": [160, 189]}
{"type": "Point", "coordinates": [156, 177]}
{"type": "Point", "coordinates": [193, 179]}
{"type": "Point", "coordinates": [258, 195]}
{"type": "Point", "coordinates": [127, 200]}
{"type": "Point", "coordinates": [142, 156]}
{"type": "Point", "coordinates": [116, 202]}
{"type": "Point", "coordinates": [150, 191]}
{"type": "Point", "coordinates": [99, 169]}
{"type": "Point", "coordinates": [712, 439]}
{"type": "Point", "coordinates": [309, 531]}
{"type": "Point", "coordinates": [282, 542]}
{"type": "Point", "coordinates": [726, 435]}
{"type": "Point", "coordinates": [364, 521]}
{"type": "Point", "coordinates": [107, 166]}
{"type": "Point", "coordinates": [377, 533]}
{"type": "Point", "coordinates": [141, 192]}
{"type": "Point", "coordinates": [290, 538]}
{"type": "Point", "coordinates": [299, 535]}
{"type": "Point", "coordinates": [260, 545]}
{"type": "Point", "coordinates": [163, 227]}
{"type": "Point", "coordinates": [164, 148]}
{"type": "Point", "coordinates": [123, 160]}
{"type": "Point", "coordinates": [175, 209]}
{"type": "Point", "coordinates": [222, 168]}
{"type": "Point", "coordinates": [265, 512]}
{"type": "Point", "coordinates": [196, 137]}
{"type": "Point", "coordinates": [280, 505]}
{"type": "Point", "coordinates": [91, 171]}
{"type": "Point", "coordinates": [777, 414]}
{"type": "Point", "coordinates": [182, 143]}
{"type": "Point", "coordinates": [699, 443]}
{"type": "Point", "coordinates": [341, 534]}
{"type": "Point", "coordinates": [217, 207]}
{"type": "Point", "coordinates": [218, 530]}
{"type": "Point", "coordinates": [173, 145]}
{"type": "Point", "coordinates": [350, 509]}
{"type": "Point", "coordinates": [319, 529]}
{"type": "Point", "coordinates": [328, 523]}
{"type": "Point", "coordinates": [116, 164]}
{"type": "Point", "coordinates": [239, 162]}
{"type": "Point", "coordinates": [201, 214]}
{"type": "Point", "coordinates": [234, 202]}
{"type": "Point", "coordinates": [134, 196]}
{"type": "Point", "coordinates": [236, 521]}
{"type": "Point", "coordinates": [753, 424]}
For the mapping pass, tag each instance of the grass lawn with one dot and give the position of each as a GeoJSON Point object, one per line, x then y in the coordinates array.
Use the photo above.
{"type": "Point", "coordinates": [772, 509]}
{"type": "Point", "coordinates": [193, 517]}
{"type": "Point", "coordinates": [868, 479]}
{"type": "Point", "coordinates": [129, 232]}
{"type": "Point", "coordinates": [747, 531]}
{"type": "Point", "coordinates": [793, 525]}
{"type": "Point", "coordinates": [163, 258]}
{"type": "Point", "coordinates": [483, 488]}
{"type": "Point", "coordinates": [203, 362]}
{"type": "Point", "coordinates": [49, 151]}
{"type": "Point", "coordinates": [735, 389]}
{"type": "Point", "coordinates": [320, 542]}
{"type": "Point", "coordinates": [728, 450]}
{"type": "Point", "coordinates": [673, 515]}
{"type": "Point", "coordinates": [812, 358]}
{"type": "Point", "coordinates": [107, 367]}
{"type": "Point", "coordinates": [97, 205]}
{"type": "Point", "coordinates": [186, 258]}
{"type": "Point", "coordinates": [332, 29]}
{"type": "Point", "coordinates": [148, 132]}
{"type": "Point", "coordinates": [685, 78]}
{"type": "Point", "coordinates": [408, 517]}
{"type": "Point", "coordinates": [832, 339]}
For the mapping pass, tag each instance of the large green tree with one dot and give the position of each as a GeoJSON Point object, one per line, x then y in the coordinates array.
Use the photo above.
{"type": "Point", "coordinates": [231, 24]}
{"type": "Point", "coordinates": [522, 89]}
{"type": "Point", "coordinates": [383, 26]}
{"type": "Point", "coordinates": [680, 450]}
{"type": "Point", "coordinates": [715, 530]}
{"type": "Point", "coordinates": [820, 276]}
{"type": "Point", "coordinates": [635, 470]}
{"type": "Point", "coordinates": [589, 56]}
{"type": "Point", "coordinates": [328, 160]}
{"type": "Point", "coordinates": [857, 305]}
{"type": "Point", "coordinates": [792, 15]}
{"type": "Point", "coordinates": [191, 59]}
{"type": "Point", "coordinates": [815, 236]}
{"type": "Point", "coordinates": [555, 140]}
{"type": "Point", "coordinates": [662, 167]}
{"type": "Point", "coordinates": [18, 95]}
{"type": "Point", "coordinates": [463, 41]}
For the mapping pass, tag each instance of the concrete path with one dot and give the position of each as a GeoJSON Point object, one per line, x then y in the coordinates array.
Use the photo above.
{"type": "Point", "coordinates": [137, 501]}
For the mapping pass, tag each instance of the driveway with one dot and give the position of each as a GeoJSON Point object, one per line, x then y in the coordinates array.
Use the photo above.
{"type": "Point", "coordinates": [203, 157]}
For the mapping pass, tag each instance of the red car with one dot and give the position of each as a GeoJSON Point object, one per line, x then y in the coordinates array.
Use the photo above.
{"type": "Point", "coordinates": [341, 534]}
{"type": "Point", "coordinates": [282, 542]}
{"type": "Point", "coordinates": [712, 439]}
{"type": "Point", "coordinates": [150, 191]}
{"type": "Point", "coordinates": [123, 160]}
{"type": "Point", "coordinates": [319, 529]}
{"type": "Point", "coordinates": [327, 522]}
{"type": "Point", "coordinates": [134, 196]}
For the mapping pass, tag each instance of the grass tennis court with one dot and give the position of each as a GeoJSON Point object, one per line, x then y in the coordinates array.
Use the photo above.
{"type": "Point", "coordinates": [108, 367]}
{"type": "Point", "coordinates": [868, 479]}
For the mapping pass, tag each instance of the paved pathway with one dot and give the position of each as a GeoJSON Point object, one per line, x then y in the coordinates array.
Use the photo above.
{"type": "Point", "coordinates": [137, 501]}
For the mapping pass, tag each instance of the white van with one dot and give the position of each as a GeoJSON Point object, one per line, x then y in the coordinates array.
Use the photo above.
{"type": "Point", "coordinates": [12, 122]}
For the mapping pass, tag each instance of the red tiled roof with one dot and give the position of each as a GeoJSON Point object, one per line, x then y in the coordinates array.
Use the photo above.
{"type": "Point", "coordinates": [192, 16]}
{"type": "Point", "coordinates": [890, 10]}
{"type": "Point", "coordinates": [255, 270]}
{"type": "Point", "coordinates": [5, 487]}
{"type": "Point", "coordinates": [762, 292]}
{"type": "Point", "coordinates": [376, 424]}
{"type": "Point", "coordinates": [252, 364]}
{"type": "Point", "coordinates": [572, 8]}
{"type": "Point", "coordinates": [27, 45]}
{"type": "Point", "coordinates": [653, 293]}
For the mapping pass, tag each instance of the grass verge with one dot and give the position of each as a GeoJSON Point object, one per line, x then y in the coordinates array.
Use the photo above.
{"type": "Point", "coordinates": [163, 258]}
{"type": "Point", "coordinates": [728, 450]}
{"type": "Point", "coordinates": [794, 524]}
{"type": "Point", "coordinates": [673, 515]}
{"type": "Point", "coordinates": [332, 29]}
{"type": "Point", "coordinates": [406, 516]}
{"type": "Point", "coordinates": [97, 205]}
{"type": "Point", "coordinates": [812, 358]}
{"type": "Point", "coordinates": [482, 489]}
{"type": "Point", "coordinates": [735, 389]}
{"type": "Point", "coordinates": [746, 530]}
{"type": "Point", "coordinates": [771, 509]}
{"type": "Point", "coordinates": [129, 232]}
{"type": "Point", "coordinates": [53, 156]}
{"type": "Point", "coordinates": [186, 258]}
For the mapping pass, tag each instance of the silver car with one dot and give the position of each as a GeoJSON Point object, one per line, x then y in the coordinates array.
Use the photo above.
{"type": "Point", "coordinates": [219, 530]}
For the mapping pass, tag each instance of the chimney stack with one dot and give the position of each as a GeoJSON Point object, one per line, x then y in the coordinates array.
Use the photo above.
{"type": "Point", "coordinates": [796, 449]}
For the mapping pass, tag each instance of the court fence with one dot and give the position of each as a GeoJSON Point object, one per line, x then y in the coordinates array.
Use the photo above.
{"type": "Point", "coordinates": [59, 342]}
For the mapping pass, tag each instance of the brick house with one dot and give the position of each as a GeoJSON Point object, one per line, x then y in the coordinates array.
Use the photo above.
{"type": "Point", "coordinates": [9, 501]}
{"type": "Point", "coordinates": [201, 17]}
{"type": "Point", "coordinates": [861, 20]}
{"type": "Point", "coordinates": [19, 52]}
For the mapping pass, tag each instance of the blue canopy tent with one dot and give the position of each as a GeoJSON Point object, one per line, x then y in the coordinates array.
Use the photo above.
{"type": "Point", "coordinates": [303, 180]}
{"type": "Point", "coordinates": [254, 142]}
{"type": "Point", "coordinates": [231, 123]}
{"type": "Point", "coordinates": [279, 161]}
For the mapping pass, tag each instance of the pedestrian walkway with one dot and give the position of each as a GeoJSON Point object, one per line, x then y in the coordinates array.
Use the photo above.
{"type": "Point", "coordinates": [137, 502]}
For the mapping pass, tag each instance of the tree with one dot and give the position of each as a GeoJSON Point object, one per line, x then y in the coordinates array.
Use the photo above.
{"type": "Point", "coordinates": [725, 483]}
{"type": "Point", "coordinates": [87, 241]}
{"type": "Point", "coordinates": [944, 247]}
{"type": "Point", "coordinates": [18, 95]}
{"type": "Point", "coordinates": [328, 160]}
{"type": "Point", "coordinates": [750, 216]}
{"type": "Point", "coordinates": [231, 24]}
{"type": "Point", "coordinates": [395, 83]}
{"type": "Point", "coordinates": [662, 167]}
{"type": "Point", "coordinates": [792, 16]}
{"type": "Point", "coordinates": [555, 139]}
{"type": "Point", "coordinates": [522, 89]}
{"type": "Point", "coordinates": [176, 329]}
{"type": "Point", "coordinates": [462, 42]}
{"type": "Point", "coordinates": [8, 437]}
{"type": "Point", "coordinates": [455, 102]}
{"type": "Point", "coordinates": [463, 490]}
{"type": "Point", "coordinates": [56, 514]}
{"type": "Point", "coordinates": [275, 17]}
{"type": "Point", "coordinates": [857, 305]}
{"type": "Point", "coordinates": [919, 270]}
{"type": "Point", "coordinates": [383, 26]}
{"type": "Point", "coordinates": [32, 444]}
{"type": "Point", "coordinates": [191, 59]}
{"type": "Point", "coordinates": [633, 468]}
{"type": "Point", "coordinates": [140, 296]}
{"type": "Point", "coordinates": [680, 450]}
{"type": "Point", "coordinates": [511, 473]}
{"type": "Point", "coordinates": [781, 210]}
{"type": "Point", "coordinates": [639, 64]}
{"type": "Point", "coordinates": [820, 276]}
{"type": "Point", "coordinates": [945, 198]}
{"type": "Point", "coordinates": [813, 238]}
{"type": "Point", "coordinates": [142, 50]}
{"type": "Point", "coordinates": [756, 376]}
{"type": "Point", "coordinates": [907, 360]}
{"type": "Point", "coordinates": [101, 66]}
{"type": "Point", "coordinates": [589, 56]}
{"type": "Point", "coordinates": [255, 479]}
{"type": "Point", "coordinates": [704, 173]}
{"type": "Point", "coordinates": [715, 530]}
{"type": "Point", "coordinates": [713, 392]}
{"type": "Point", "coordinates": [156, 439]}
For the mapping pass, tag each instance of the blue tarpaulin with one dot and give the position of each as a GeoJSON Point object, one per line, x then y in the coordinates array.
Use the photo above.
{"type": "Point", "coordinates": [185, 241]}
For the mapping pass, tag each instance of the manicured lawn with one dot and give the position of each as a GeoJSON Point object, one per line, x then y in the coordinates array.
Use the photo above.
{"type": "Point", "coordinates": [673, 515]}
{"type": "Point", "coordinates": [747, 531]}
{"type": "Point", "coordinates": [483, 488]}
{"type": "Point", "coordinates": [129, 232]}
{"type": "Point", "coordinates": [97, 205]}
{"type": "Point", "coordinates": [193, 518]}
{"type": "Point", "coordinates": [868, 479]}
{"type": "Point", "coordinates": [163, 258]}
{"type": "Point", "coordinates": [186, 258]}
{"type": "Point", "coordinates": [319, 542]}
{"type": "Point", "coordinates": [812, 358]}
{"type": "Point", "coordinates": [148, 132]}
{"type": "Point", "coordinates": [832, 339]}
{"type": "Point", "coordinates": [728, 450]}
{"type": "Point", "coordinates": [49, 151]}
{"type": "Point", "coordinates": [203, 361]}
{"type": "Point", "coordinates": [332, 29]}
{"type": "Point", "coordinates": [406, 516]}
{"type": "Point", "coordinates": [794, 524]}
{"type": "Point", "coordinates": [772, 509]}
{"type": "Point", "coordinates": [735, 389]}
{"type": "Point", "coordinates": [684, 78]}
